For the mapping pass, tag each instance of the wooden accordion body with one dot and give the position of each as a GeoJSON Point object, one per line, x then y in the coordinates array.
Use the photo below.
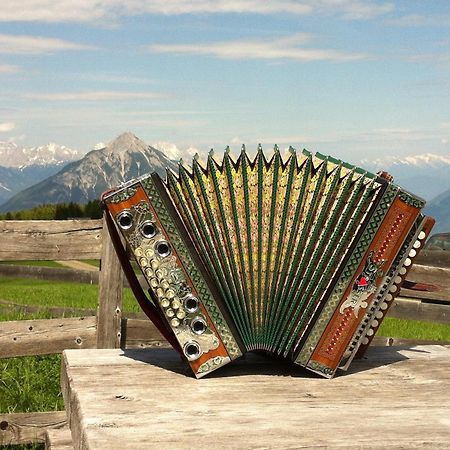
{"type": "Point", "coordinates": [298, 258]}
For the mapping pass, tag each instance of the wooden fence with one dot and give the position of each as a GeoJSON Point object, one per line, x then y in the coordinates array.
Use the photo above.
{"type": "Point", "coordinates": [65, 240]}
{"type": "Point", "coordinates": [106, 327]}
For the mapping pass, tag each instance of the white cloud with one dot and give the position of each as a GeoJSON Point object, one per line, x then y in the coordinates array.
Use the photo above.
{"type": "Point", "coordinates": [168, 148]}
{"type": "Point", "coordinates": [176, 7]}
{"type": "Point", "coordinates": [16, 139]}
{"type": "Point", "coordinates": [91, 95]}
{"type": "Point", "coordinates": [114, 78]}
{"type": "Point", "coordinates": [418, 20]}
{"type": "Point", "coordinates": [104, 11]}
{"type": "Point", "coordinates": [286, 48]}
{"type": "Point", "coordinates": [8, 68]}
{"type": "Point", "coordinates": [429, 58]}
{"type": "Point", "coordinates": [419, 160]}
{"type": "Point", "coordinates": [34, 45]}
{"type": "Point", "coordinates": [7, 126]}
{"type": "Point", "coordinates": [293, 140]}
{"type": "Point", "coordinates": [53, 11]}
{"type": "Point", "coordinates": [172, 151]}
{"type": "Point", "coordinates": [350, 9]}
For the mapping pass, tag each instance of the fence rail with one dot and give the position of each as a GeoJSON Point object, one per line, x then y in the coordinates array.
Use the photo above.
{"type": "Point", "coordinates": [106, 327]}
{"type": "Point", "coordinates": [50, 239]}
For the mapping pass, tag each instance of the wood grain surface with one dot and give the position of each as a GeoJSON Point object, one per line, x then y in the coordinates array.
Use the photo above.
{"type": "Point", "coordinates": [398, 397]}
{"type": "Point", "coordinates": [25, 428]}
{"type": "Point", "coordinates": [50, 239]}
{"type": "Point", "coordinates": [58, 439]}
{"type": "Point", "coordinates": [110, 295]}
{"type": "Point", "coordinates": [46, 336]}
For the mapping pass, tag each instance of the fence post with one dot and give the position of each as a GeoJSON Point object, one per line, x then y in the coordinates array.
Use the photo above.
{"type": "Point", "coordinates": [110, 291]}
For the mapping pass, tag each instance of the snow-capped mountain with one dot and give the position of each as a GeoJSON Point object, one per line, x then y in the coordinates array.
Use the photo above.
{"type": "Point", "coordinates": [13, 155]}
{"type": "Point", "coordinates": [122, 159]}
{"type": "Point", "coordinates": [21, 167]}
{"type": "Point", "coordinates": [439, 208]}
{"type": "Point", "coordinates": [426, 175]}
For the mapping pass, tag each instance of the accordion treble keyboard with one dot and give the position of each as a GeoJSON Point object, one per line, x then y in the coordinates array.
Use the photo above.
{"type": "Point", "coordinates": [298, 258]}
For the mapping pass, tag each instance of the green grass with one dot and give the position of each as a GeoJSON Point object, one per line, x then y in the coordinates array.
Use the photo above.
{"type": "Point", "coordinates": [33, 263]}
{"type": "Point", "coordinates": [92, 262]}
{"type": "Point", "coordinates": [414, 329]}
{"type": "Point", "coordinates": [30, 383]}
{"type": "Point", "coordinates": [57, 293]}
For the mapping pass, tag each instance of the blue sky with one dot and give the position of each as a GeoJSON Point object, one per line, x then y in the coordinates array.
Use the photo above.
{"type": "Point", "coordinates": [356, 79]}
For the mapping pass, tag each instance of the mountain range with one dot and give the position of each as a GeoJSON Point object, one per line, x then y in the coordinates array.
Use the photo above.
{"type": "Point", "coordinates": [122, 159]}
{"type": "Point", "coordinates": [54, 174]}
{"type": "Point", "coordinates": [22, 167]}
{"type": "Point", "coordinates": [439, 208]}
{"type": "Point", "coordinates": [12, 155]}
{"type": "Point", "coordinates": [426, 175]}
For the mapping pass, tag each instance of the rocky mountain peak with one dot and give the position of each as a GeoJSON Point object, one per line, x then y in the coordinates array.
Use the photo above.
{"type": "Point", "coordinates": [122, 159]}
{"type": "Point", "coordinates": [126, 142]}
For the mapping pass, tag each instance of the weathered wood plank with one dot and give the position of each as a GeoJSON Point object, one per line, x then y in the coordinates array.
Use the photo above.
{"type": "Point", "coordinates": [46, 336]}
{"type": "Point", "coordinates": [413, 309]}
{"type": "Point", "coordinates": [396, 398]}
{"type": "Point", "coordinates": [58, 439]}
{"type": "Point", "coordinates": [25, 428]}
{"type": "Point", "coordinates": [50, 239]}
{"type": "Point", "coordinates": [110, 292]}
{"type": "Point", "coordinates": [141, 333]}
{"type": "Point", "coordinates": [437, 276]}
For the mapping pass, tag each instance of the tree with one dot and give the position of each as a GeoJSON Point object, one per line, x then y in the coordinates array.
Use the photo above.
{"type": "Point", "coordinates": [93, 209]}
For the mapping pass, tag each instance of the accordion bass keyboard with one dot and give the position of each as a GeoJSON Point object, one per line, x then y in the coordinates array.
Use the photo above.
{"type": "Point", "coordinates": [300, 258]}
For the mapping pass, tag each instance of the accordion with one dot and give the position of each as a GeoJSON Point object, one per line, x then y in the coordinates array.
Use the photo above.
{"type": "Point", "coordinates": [298, 257]}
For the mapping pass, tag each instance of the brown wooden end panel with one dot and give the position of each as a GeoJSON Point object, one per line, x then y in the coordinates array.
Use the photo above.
{"type": "Point", "coordinates": [211, 356]}
{"type": "Point", "coordinates": [403, 273]}
{"type": "Point", "coordinates": [351, 310]}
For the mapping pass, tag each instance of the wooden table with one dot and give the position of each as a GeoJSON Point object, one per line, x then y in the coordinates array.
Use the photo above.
{"type": "Point", "coordinates": [398, 397]}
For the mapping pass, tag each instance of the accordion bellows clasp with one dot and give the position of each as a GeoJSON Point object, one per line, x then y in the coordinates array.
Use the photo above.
{"type": "Point", "coordinates": [298, 257]}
